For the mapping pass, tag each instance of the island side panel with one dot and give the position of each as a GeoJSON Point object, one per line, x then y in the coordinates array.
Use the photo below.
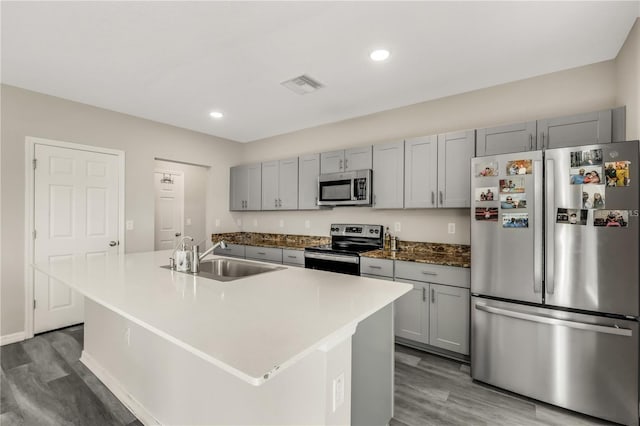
{"type": "Point", "coordinates": [169, 385]}
{"type": "Point", "coordinates": [373, 369]}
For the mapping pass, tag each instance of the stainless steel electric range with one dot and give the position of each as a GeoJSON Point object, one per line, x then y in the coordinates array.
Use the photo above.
{"type": "Point", "coordinates": [343, 254]}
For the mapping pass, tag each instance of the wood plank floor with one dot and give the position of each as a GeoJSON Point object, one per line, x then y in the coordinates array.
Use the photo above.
{"type": "Point", "coordinates": [44, 383]}
{"type": "Point", "coordinates": [432, 390]}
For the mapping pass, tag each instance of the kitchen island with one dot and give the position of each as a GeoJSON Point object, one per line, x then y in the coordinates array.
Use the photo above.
{"type": "Point", "coordinates": [273, 348]}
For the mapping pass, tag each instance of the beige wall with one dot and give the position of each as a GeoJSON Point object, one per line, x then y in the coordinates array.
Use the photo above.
{"type": "Point", "coordinates": [26, 113]}
{"type": "Point", "coordinates": [627, 80]}
{"type": "Point", "coordinates": [583, 89]}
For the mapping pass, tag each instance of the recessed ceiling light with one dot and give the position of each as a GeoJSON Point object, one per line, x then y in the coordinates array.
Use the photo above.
{"type": "Point", "coordinates": [379, 55]}
{"type": "Point", "coordinates": [216, 114]}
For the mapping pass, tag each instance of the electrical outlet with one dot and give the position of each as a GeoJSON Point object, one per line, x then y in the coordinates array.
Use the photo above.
{"type": "Point", "coordinates": [397, 227]}
{"type": "Point", "coordinates": [188, 221]}
{"type": "Point", "coordinates": [307, 224]}
{"type": "Point", "coordinates": [255, 223]}
{"type": "Point", "coordinates": [239, 222]}
{"type": "Point", "coordinates": [129, 225]}
{"type": "Point", "coordinates": [452, 228]}
{"type": "Point", "coordinates": [127, 336]}
{"type": "Point", "coordinates": [217, 223]}
{"type": "Point", "coordinates": [281, 223]}
{"type": "Point", "coordinates": [338, 392]}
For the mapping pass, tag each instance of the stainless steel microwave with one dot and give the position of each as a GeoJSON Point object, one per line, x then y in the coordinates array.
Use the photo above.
{"type": "Point", "coordinates": [345, 188]}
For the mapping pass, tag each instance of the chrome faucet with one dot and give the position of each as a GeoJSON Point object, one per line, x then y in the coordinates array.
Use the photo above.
{"type": "Point", "coordinates": [197, 257]}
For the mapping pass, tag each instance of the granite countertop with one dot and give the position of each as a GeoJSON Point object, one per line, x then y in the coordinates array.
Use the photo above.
{"type": "Point", "coordinates": [433, 253]}
{"type": "Point", "coordinates": [253, 328]}
{"type": "Point", "coordinates": [283, 241]}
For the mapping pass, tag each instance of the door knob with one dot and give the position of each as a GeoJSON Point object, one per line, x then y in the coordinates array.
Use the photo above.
{"type": "Point", "coordinates": [177, 234]}
{"type": "Point", "coordinates": [113, 243]}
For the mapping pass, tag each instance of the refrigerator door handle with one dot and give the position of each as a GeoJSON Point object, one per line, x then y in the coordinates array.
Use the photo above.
{"type": "Point", "coordinates": [555, 321]}
{"type": "Point", "coordinates": [550, 222]}
{"type": "Point", "coordinates": [537, 228]}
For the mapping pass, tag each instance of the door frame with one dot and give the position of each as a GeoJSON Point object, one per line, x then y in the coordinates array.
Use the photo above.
{"type": "Point", "coordinates": [30, 145]}
{"type": "Point", "coordinates": [174, 173]}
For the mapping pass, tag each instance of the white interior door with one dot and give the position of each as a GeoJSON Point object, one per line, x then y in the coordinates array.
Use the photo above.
{"type": "Point", "coordinates": [76, 196]}
{"type": "Point", "coordinates": [169, 223]}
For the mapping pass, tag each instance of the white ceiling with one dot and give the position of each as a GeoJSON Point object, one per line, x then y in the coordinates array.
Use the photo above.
{"type": "Point", "coordinates": [174, 62]}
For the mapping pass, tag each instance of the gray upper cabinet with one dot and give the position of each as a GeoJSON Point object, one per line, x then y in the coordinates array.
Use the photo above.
{"type": "Point", "coordinates": [280, 184]}
{"type": "Point", "coordinates": [581, 129]}
{"type": "Point", "coordinates": [308, 182]}
{"type": "Point", "coordinates": [455, 151]}
{"type": "Point", "coordinates": [421, 172]}
{"type": "Point", "coordinates": [388, 175]}
{"type": "Point", "coordinates": [346, 160]}
{"type": "Point", "coordinates": [505, 139]}
{"type": "Point", "coordinates": [245, 191]}
{"type": "Point", "coordinates": [575, 130]}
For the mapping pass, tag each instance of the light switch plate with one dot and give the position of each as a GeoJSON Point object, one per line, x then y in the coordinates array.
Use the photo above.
{"type": "Point", "coordinates": [188, 221]}
{"type": "Point", "coordinates": [338, 392]}
{"type": "Point", "coordinates": [129, 225]}
{"type": "Point", "coordinates": [452, 228]}
{"type": "Point", "coordinates": [217, 223]}
{"type": "Point", "coordinates": [397, 227]}
{"type": "Point", "coordinates": [307, 224]}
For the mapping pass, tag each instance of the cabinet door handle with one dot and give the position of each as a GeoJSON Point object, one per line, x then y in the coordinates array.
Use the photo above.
{"type": "Point", "coordinates": [340, 166]}
{"type": "Point", "coordinates": [275, 202]}
{"type": "Point", "coordinates": [375, 267]}
{"type": "Point", "coordinates": [441, 199]}
{"type": "Point", "coordinates": [279, 202]}
{"type": "Point", "coordinates": [542, 140]}
{"type": "Point", "coordinates": [433, 295]}
{"type": "Point", "coordinates": [346, 164]}
{"type": "Point", "coordinates": [530, 142]}
{"type": "Point", "coordinates": [433, 198]}
{"type": "Point", "coordinates": [424, 294]}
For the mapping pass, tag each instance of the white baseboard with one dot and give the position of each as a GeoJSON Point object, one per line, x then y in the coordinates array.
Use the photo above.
{"type": "Point", "coordinates": [12, 338]}
{"type": "Point", "coordinates": [116, 388]}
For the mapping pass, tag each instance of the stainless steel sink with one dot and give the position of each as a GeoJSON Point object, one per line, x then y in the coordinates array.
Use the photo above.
{"type": "Point", "coordinates": [229, 270]}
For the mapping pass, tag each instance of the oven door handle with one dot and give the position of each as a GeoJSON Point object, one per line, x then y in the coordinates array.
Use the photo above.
{"type": "Point", "coordinates": [333, 257]}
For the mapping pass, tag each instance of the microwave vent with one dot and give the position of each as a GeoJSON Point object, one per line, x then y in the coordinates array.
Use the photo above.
{"type": "Point", "coordinates": [302, 85]}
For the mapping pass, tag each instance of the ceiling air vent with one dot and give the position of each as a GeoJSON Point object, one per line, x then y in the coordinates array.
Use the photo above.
{"type": "Point", "coordinates": [302, 85]}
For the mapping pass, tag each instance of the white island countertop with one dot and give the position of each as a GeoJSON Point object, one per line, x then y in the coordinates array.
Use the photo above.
{"type": "Point", "coordinates": [253, 327]}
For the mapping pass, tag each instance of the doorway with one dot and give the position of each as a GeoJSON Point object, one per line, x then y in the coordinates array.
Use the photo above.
{"type": "Point", "coordinates": [77, 208]}
{"type": "Point", "coordinates": [180, 203]}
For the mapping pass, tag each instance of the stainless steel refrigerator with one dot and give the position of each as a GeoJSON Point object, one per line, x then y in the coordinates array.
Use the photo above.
{"type": "Point", "coordinates": [555, 276]}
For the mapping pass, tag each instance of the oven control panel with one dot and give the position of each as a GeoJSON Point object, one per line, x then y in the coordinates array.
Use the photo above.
{"type": "Point", "coordinates": [370, 231]}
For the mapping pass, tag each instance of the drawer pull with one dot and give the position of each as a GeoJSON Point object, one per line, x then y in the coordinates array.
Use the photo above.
{"type": "Point", "coordinates": [262, 253]}
{"type": "Point", "coordinates": [292, 257]}
{"type": "Point", "coordinates": [375, 267]}
{"type": "Point", "coordinates": [429, 273]}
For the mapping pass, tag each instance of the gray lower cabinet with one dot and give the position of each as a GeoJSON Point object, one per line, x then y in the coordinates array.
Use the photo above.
{"type": "Point", "coordinates": [449, 318]}
{"type": "Point", "coordinates": [232, 250]}
{"type": "Point", "coordinates": [293, 257]}
{"type": "Point", "coordinates": [388, 175]}
{"type": "Point", "coordinates": [265, 254]}
{"type": "Point", "coordinates": [436, 311]}
{"type": "Point", "coordinates": [412, 313]}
